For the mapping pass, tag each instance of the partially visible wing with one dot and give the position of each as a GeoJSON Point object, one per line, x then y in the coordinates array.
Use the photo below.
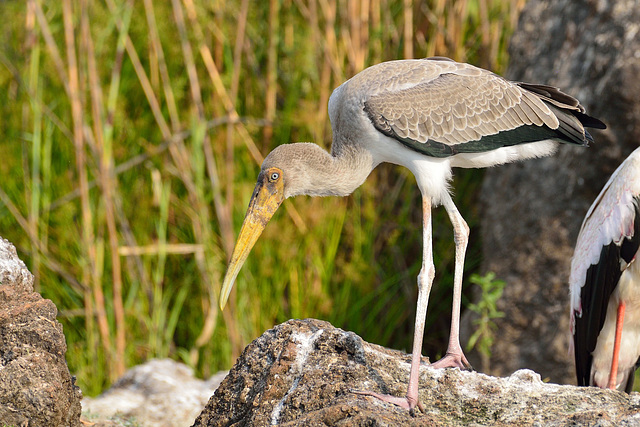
{"type": "Point", "coordinates": [600, 282]}
{"type": "Point", "coordinates": [608, 241]}
{"type": "Point", "coordinates": [442, 108]}
{"type": "Point", "coordinates": [601, 279]}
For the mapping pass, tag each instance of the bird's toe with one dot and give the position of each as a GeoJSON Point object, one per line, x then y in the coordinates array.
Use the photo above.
{"type": "Point", "coordinates": [403, 402]}
{"type": "Point", "coordinates": [453, 360]}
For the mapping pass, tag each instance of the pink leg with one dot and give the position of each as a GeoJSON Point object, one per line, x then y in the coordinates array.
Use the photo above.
{"type": "Point", "coordinates": [455, 358]}
{"type": "Point", "coordinates": [613, 374]}
{"type": "Point", "coordinates": [425, 280]}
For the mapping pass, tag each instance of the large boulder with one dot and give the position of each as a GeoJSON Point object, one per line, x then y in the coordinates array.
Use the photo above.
{"type": "Point", "coordinates": [36, 388]}
{"type": "Point", "coordinates": [303, 373]}
{"type": "Point", "coordinates": [532, 211]}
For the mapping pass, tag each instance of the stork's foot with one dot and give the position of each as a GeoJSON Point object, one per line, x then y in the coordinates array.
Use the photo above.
{"type": "Point", "coordinates": [453, 360]}
{"type": "Point", "coordinates": [403, 402]}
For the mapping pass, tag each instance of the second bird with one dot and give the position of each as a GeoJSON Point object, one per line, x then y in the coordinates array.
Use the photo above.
{"type": "Point", "coordinates": [605, 283]}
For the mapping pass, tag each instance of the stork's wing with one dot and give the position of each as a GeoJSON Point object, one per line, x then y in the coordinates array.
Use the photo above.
{"type": "Point", "coordinates": [458, 108]}
{"type": "Point", "coordinates": [600, 281]}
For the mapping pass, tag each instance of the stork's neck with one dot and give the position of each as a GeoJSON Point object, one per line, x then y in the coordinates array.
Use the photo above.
{"type": "Point", "coordinates": [309, 169]}
{"type": "Point", "coordinates": [349, 167]}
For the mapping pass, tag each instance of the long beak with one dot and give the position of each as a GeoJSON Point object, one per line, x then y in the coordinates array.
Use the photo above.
{"type": "Point", "coordinates": [267, 197]}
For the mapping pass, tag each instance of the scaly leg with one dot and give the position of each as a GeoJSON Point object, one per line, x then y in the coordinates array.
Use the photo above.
{"type": "Point", "coordinates": [613, 374]}
{"type": "Point", "coordinates": [425, 280]}
{"type": "Point", "coordinates": [454, 358]}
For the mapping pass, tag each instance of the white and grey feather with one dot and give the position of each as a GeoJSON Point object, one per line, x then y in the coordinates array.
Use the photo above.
{"type": "Point", "coordinates": [441, 108]}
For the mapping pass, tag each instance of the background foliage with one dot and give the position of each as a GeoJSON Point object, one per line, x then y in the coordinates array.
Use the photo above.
{"type": "Point", "coordinates": [131, 136]}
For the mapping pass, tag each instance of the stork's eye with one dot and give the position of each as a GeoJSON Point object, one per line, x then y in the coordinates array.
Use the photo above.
{"type": "Point", "coordinates": [274, 176]}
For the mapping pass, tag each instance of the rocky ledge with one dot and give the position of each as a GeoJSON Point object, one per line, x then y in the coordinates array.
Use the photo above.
{"type": "Point", "coordinates": [302, 373]}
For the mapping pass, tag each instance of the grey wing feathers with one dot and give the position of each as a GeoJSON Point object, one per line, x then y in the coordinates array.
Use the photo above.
{"type": "Point", "coordinates": [455, 109]}
{"type": "Point", "coordinates": [466, 104]}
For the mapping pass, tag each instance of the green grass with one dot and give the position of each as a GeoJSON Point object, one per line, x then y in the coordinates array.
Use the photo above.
{"type": "Point", "coordinates": [132, 134]}
{"type": "Point", "coordinates": [487, 310]}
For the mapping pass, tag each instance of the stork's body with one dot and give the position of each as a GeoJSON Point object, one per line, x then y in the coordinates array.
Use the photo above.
{"type": "Point", "coordinates": [428, 115]}
{"type": "Point", "coordinates": [605, 283]}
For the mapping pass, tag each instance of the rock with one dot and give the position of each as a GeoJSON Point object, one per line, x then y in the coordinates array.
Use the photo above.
{"type": "Point", "coordinates": [532, 211]}
{"type": "Point", "coordinates": [36, 388]}
{"type": "Point", "coordinates": [301, 373]}
{"type": "Point", "coordinates": [159, 393]}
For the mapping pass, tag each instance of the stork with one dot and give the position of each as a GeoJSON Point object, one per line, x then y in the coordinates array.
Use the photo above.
{"type": "Point", "coordinates": [428, 115]}
{"type": "Point", "coordinates": [605, 283]}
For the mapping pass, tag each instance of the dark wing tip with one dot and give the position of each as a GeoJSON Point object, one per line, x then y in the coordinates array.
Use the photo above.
{"type": "Point", "coordinates": [551, 92]}
{"type": "Point", "coordinates": [588, 121]}
{"type": "Point", "coordinates": [561, 99]}
{"type": "Point", "coordinates": [440, 58]}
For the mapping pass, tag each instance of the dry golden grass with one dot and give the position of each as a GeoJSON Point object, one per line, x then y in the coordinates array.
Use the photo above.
{"type": "Point", "coordinates": [132, 135]}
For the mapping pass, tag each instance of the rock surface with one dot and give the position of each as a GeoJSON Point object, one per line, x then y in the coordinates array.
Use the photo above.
{"type": "Point", "coordinates": [36, 388]}
{"type": "Point", "coordinates": [159, 393]}
{"type": "Point", "coordinates": [590, 49]}
{"type": "Point", "coordinates": [301, 373]}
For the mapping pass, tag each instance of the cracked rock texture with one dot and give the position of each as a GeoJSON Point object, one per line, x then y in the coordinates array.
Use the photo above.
{"type": "Point", "coordinates": [532, 211]}
{"type": "Point", "coordinates": [301, 373]}
{"type": "Point", "coordinates": [36, 388]}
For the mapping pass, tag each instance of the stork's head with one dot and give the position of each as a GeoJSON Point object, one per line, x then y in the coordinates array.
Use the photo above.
{"type": "Point", "coordinates": [289, 170]}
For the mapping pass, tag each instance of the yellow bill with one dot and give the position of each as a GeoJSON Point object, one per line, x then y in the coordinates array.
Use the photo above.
{"type": "Point", "coordinates": [267, 197]}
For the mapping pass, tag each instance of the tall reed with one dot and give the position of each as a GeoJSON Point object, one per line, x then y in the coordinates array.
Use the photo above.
{"type": "Point", "coordinates": [132, 134]}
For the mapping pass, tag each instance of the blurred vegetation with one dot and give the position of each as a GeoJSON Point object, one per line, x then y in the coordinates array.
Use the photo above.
{"type": "Point", "coordinates": [487, 310]}
{"type": "Point", "coordinates": [132, 133]}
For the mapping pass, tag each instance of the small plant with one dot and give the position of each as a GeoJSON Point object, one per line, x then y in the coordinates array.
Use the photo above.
{"type": "Point", "coordinates": [487, 310]}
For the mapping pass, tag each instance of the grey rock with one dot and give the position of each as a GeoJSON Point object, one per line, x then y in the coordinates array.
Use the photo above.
{"type": "Point", "coordinates": [532, 211]}
{"type": "Point", "coordinates": [302, 373]}
{"type": "Point", "coordinates": [36, 388]}
{"type": "Point", "coordinates": [158, 393]}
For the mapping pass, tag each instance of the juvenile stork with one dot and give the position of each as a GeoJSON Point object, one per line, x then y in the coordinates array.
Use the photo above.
{"type": "Point", "coordinates": [428, 115]}
{"type": "Point", "coordinates": [605, 283]}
